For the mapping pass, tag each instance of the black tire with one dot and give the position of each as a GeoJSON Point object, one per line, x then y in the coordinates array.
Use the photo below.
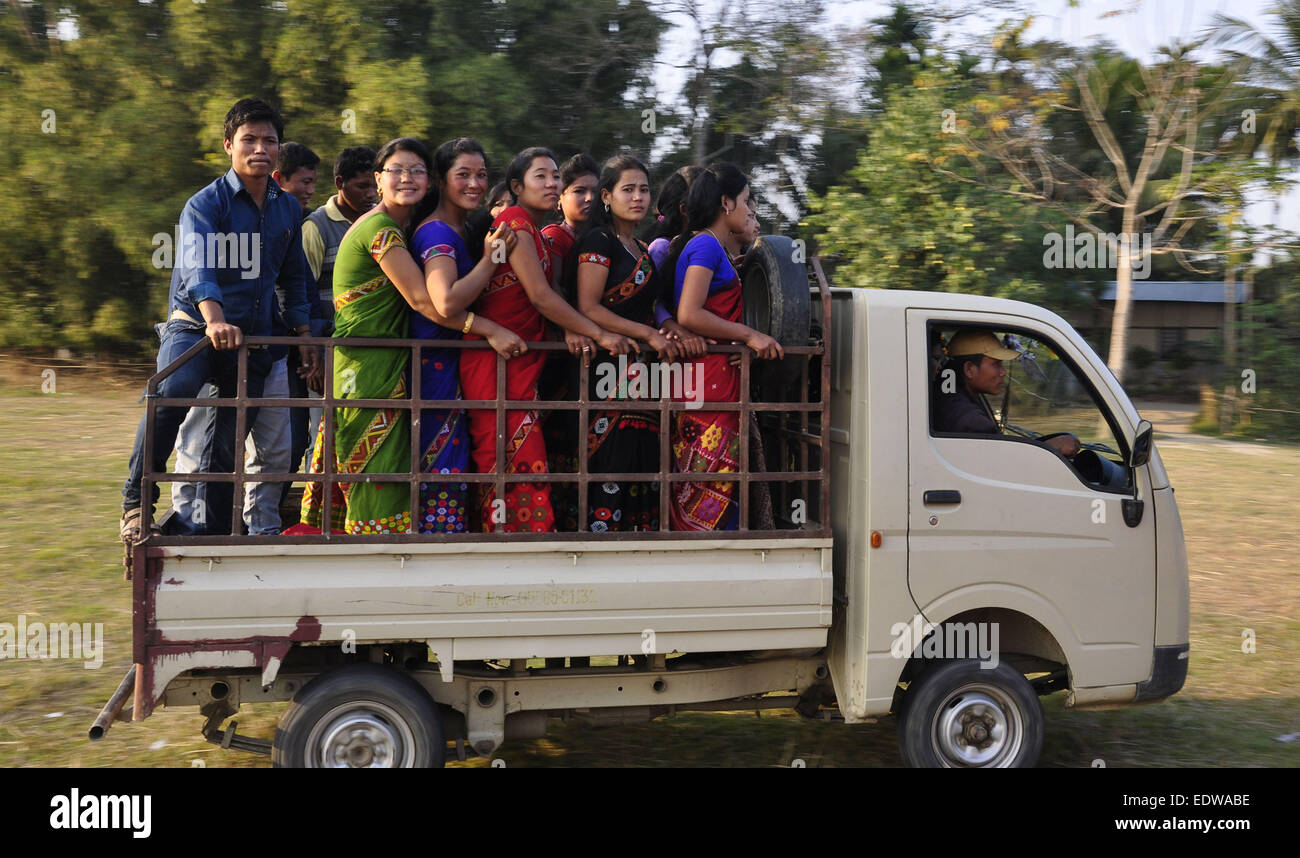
{"type": "Point", "coordinates": [358, 716]}
{"type": "Point", "coordinates": [958, 715]}
{"type": "Point", "coordinates": [777, 301]}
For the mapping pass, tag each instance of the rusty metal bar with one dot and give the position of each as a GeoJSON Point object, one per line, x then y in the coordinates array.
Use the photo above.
{"type": "Point", "coordinates": [417, 455]}
{"type": "Point", "coordinates": [824, 290]}
{"type": "Point", "coordinates": [152, 401]}
{"type": "Point", "coordinates": [328, 456]}
{"type": "Point", "coordinates": [241, 430]}
{"type": "Point", "coordinates": [500, 469]}
{"type": "Point", "coordinates": [803, 430]}
{"type": "Point", "coordinates": [147, 478]}
{"type": "Point", "coordinates": [510, 479]}
{"type": "Point", "coordinates": [500, 479]}
{"type": "Point", "coordinates": [523, 536]}
{"type": "Point", "coordinates": [109, 713]}
{"type": "Point", "coordinates": [743, 418]}
{"type": "Point", "coordinates": [665, 459]}
{"type": "Point", "coordinates": [512, 404]}
{"type": "Point", "coordinates": [396, 342]}
{"type": "Point", "coordinates": [162, 374]}
{"type": "Point", "coordinates": [584, 417]}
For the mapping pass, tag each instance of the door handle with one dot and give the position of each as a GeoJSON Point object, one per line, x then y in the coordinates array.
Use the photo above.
{"type": "Point", "coordinates": [938, 496]}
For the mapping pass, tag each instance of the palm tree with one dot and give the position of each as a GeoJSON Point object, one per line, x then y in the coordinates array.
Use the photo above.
{"type": "Point", "coordinates": [1272, 59]}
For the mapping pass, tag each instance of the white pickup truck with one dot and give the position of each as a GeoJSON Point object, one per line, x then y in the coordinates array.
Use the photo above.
{"type": "Point", "coordinates": [946, 578]}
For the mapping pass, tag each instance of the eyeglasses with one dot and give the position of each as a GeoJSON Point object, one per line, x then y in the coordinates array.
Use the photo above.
{"type": "Point", "coordinates": [401, 172]}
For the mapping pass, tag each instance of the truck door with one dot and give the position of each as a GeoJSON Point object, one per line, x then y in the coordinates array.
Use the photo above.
{"type": "Point", "coordinates": [1000, 519]}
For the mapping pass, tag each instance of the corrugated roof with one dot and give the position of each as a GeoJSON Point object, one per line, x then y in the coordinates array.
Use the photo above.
{"type": "Point", "coordinates": [1187, 291]}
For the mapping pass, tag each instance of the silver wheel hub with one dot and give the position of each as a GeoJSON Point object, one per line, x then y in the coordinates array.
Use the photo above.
{"type": "Point", "coordinates": [361, 734]}
{"type": "Point", "coordinates": [977, 725]}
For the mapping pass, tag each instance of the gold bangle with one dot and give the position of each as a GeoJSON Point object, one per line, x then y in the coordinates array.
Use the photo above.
{"type": "Point", "coordinates": [469, 320]}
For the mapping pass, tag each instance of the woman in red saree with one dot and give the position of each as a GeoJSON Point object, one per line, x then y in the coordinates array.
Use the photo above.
{"type": "Point", "coordinates": [706, 298]}
{"type": "Point", "coordinates": [519, 297]}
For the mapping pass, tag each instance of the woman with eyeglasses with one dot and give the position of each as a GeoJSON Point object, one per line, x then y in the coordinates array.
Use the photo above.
{"type": "Point", "coordinates": [519, 297]}
{"type": "Point", "coordinates": [377, 284]}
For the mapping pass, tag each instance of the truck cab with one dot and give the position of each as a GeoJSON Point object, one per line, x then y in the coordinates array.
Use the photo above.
{"type": "Point", "coordinates": [1076, 565]}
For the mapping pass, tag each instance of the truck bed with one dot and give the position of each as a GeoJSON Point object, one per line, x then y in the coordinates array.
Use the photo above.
{"type": "Point", "coordinates": [247, 605]}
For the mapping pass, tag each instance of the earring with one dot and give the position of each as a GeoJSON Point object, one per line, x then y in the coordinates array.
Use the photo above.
{"type": "Point", "coordinates": [606, 208]}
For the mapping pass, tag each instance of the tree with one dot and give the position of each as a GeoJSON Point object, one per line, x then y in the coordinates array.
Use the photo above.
{"type": "Point", "coordinates": [1164, 175]}
{"type": "Point", "coordinates": [1273, 62]}
{"type": "Point", "coordinates": [899, 222]}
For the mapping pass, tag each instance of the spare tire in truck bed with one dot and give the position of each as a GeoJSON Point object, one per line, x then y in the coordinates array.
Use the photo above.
{"type": "Point", "coordinates": [775, 293]}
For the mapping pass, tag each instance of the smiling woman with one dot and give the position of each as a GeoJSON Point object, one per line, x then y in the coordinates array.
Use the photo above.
{"type": "Point", "coordinates": [376, 285]}
{"type": "Point", "coordinates": [520, 298]}
{"type": "Point", "coordinates": [453, 282]}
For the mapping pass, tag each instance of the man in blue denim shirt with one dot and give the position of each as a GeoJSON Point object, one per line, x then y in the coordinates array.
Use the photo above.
{"type": "Point", "coordinates": [238, 238]}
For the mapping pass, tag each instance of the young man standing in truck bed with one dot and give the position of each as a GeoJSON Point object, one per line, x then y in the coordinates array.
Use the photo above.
{"type": "Point", "coordinates": [239, 237]}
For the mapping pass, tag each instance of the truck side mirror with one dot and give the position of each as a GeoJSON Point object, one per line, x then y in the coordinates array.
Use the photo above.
{"type": "Point", "coordinates": [1141, 444]}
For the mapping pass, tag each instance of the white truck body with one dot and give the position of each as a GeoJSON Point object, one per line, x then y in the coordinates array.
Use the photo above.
{"type": "Point", "coordinates": [1070, 588]}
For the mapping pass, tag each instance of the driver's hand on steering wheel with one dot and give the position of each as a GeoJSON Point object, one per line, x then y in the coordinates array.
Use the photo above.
{"type": "Point", "coordinates": [1067, 445]}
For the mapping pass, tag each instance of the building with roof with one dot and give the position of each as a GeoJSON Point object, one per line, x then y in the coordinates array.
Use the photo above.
{"type": "Point", "coordinates": [1165, 315]}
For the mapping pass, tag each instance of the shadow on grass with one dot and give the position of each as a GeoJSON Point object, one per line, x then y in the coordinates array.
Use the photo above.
{"type": "Point", "coordinates": [1180, 732]}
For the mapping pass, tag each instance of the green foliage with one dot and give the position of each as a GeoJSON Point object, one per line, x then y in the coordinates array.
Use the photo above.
{"type": "Point", "coordinates": [112, 129]}
{"type": "Point", "coordinates": [897, 222]}
{"type": "Point", "coordinates": [1141, 357]}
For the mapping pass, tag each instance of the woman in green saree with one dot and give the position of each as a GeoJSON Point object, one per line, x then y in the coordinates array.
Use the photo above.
{"type": "Point", "coordinates": [376, 285]}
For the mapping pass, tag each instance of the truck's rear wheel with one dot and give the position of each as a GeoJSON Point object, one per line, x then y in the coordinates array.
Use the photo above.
{"type": "Point", "coordinates": [360, 716]}
{"type": "Point", "coordinates": [958, 715]}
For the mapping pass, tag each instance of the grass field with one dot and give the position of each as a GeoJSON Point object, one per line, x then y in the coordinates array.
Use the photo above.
{"type": "Point", "coordinates": [63, 457]}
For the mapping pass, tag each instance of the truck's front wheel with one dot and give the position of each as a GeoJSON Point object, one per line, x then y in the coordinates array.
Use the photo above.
{"type": "Point", "coordinates": [360, 716]}
{"type": "Point", "coordinates": [958, 715]}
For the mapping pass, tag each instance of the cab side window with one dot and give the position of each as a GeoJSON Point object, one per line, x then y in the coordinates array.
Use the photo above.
{"type": "Point", "coordinates": [1020, 388]}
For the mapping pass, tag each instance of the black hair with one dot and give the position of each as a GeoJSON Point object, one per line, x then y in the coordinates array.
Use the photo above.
{"type": "Point", "coordinates": [353, 161]}
{"type": "Point", "coordinates": [248, 110]}
{"type": "Point", "coordinates": [443, 159]}
{"type": "Point", "coordinates": [295, 157]}
{"type": "Point", "coordinates": [477, 226]}
{"type": "Point", "coordinates": [669, 204]}
{"type": "Point", "coordinates": [519, 166]}
{"type": "Point", "coordinates": [703, 205]}
{"type": "Point", "coordinates": [479, 223]}
{"type": "Point", "coordinates": [418, 149]}
{"type": "Point", "coordinates": [402, 144]}
{"type": "Point", "coordinates": [704, 199]}
{"type": "Point", "coordinates": [576, 167]}
{"type": "Point", "coordinates": [499, 190]}
{"type": "Point", "coordinates": [446, 154]}
{"type": "Point", "coordinates": [609, 175]}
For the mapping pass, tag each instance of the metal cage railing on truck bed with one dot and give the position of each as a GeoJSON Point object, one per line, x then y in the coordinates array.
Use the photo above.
{"type": "Point", "coordinates": [788, 427]}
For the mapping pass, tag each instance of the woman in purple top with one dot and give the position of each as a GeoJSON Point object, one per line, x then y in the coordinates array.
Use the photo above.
{"type": "Point", "coordinates": [453, 281]}
{"type": "Point", "coordinates": [705, 294]}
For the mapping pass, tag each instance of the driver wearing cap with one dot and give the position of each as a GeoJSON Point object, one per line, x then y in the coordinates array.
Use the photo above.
{"type": "Point", "coordinates": [977, 359]}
